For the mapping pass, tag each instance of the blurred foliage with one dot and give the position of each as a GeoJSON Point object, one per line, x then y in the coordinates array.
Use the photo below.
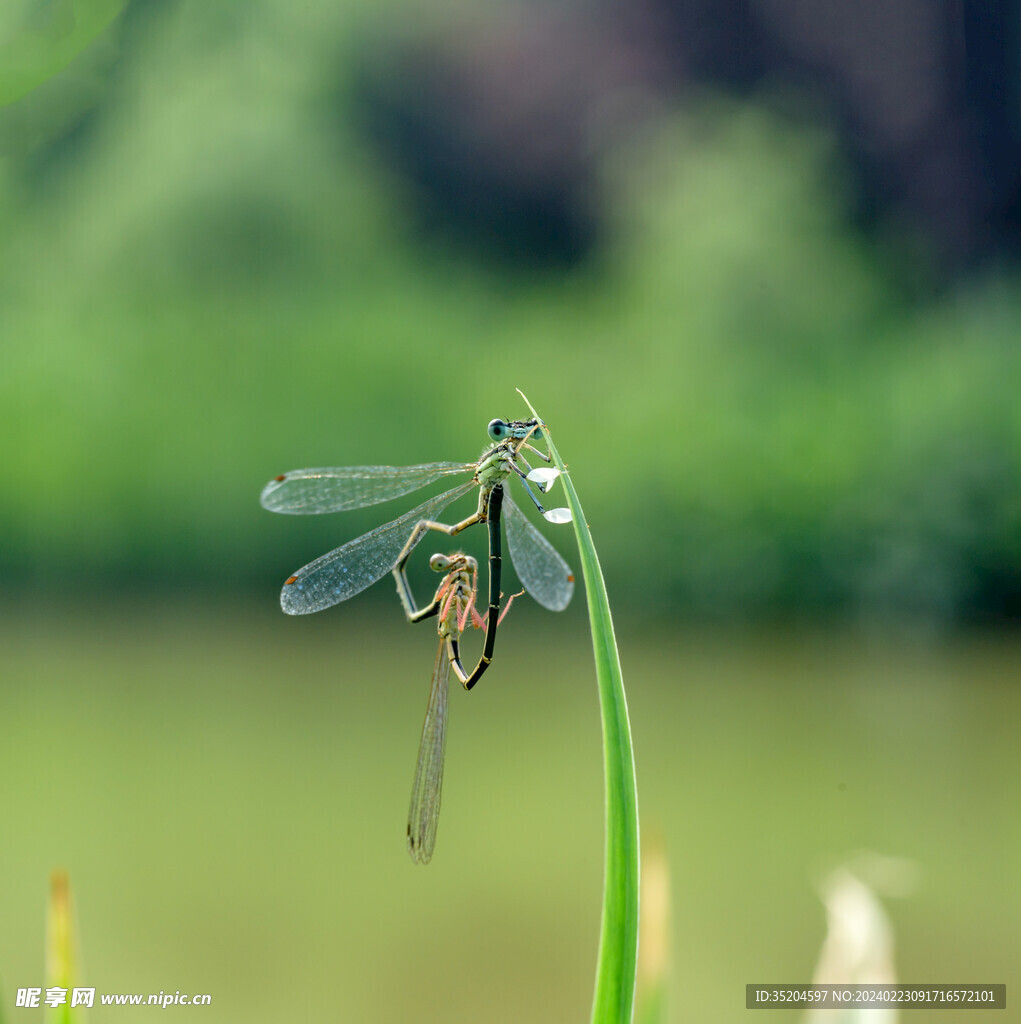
{"type": "Point", "coordinates": [40, 39]}
{"type": "Point", "coordinates": [208, 276]}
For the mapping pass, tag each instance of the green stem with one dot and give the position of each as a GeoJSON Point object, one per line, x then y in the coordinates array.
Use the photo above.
{"type": "Point", "coordinates": [613, 1001]}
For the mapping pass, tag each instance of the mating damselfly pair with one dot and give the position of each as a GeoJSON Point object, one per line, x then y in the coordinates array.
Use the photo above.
{"type": "Point", "coordinates": [350, 568]}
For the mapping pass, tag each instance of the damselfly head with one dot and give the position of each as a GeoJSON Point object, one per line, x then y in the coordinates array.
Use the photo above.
{"type": "Point", "coordinates": [457, 562]}
{"type": "Point", "coordinates": [504, 430]}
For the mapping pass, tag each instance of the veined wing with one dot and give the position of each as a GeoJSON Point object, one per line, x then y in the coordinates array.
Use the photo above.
{"type": "Point", "coordinates": [349, 569]}
{"type": "Point", "coordinates": [546, 576]}
{"type": "Point", "coordinates": [311, 491]}
{"type": "Point", "coordinates": [424, 812]}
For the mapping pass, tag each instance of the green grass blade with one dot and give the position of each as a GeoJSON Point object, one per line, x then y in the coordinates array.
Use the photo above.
{"type": "Point", "coordinates": [613, 1001]}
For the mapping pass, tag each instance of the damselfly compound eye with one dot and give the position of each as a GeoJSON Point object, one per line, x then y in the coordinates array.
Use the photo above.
{"type": "Point", "coordinates": [498, 430]}
{"type": "Point", "coordinates": [439, 563]}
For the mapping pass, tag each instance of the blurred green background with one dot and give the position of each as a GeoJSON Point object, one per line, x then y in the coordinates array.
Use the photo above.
{"type": "Point", "coordinates": [796, 442]}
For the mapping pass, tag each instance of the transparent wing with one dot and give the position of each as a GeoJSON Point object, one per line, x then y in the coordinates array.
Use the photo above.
{"type": "Point", "coordinates": [349, 569]}
{"type": "Point", "coordinates": [424, 813]}
{"type": "Point", "coordinates": [546, 576]}
{"type": "Point", "coordinates": [312, 491]}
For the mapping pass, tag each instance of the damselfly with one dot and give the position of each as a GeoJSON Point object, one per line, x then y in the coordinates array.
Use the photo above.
{"type": "Point", "coordinates": [349, 569]}
{"type": "Point", "coordinates": [454, 603]}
